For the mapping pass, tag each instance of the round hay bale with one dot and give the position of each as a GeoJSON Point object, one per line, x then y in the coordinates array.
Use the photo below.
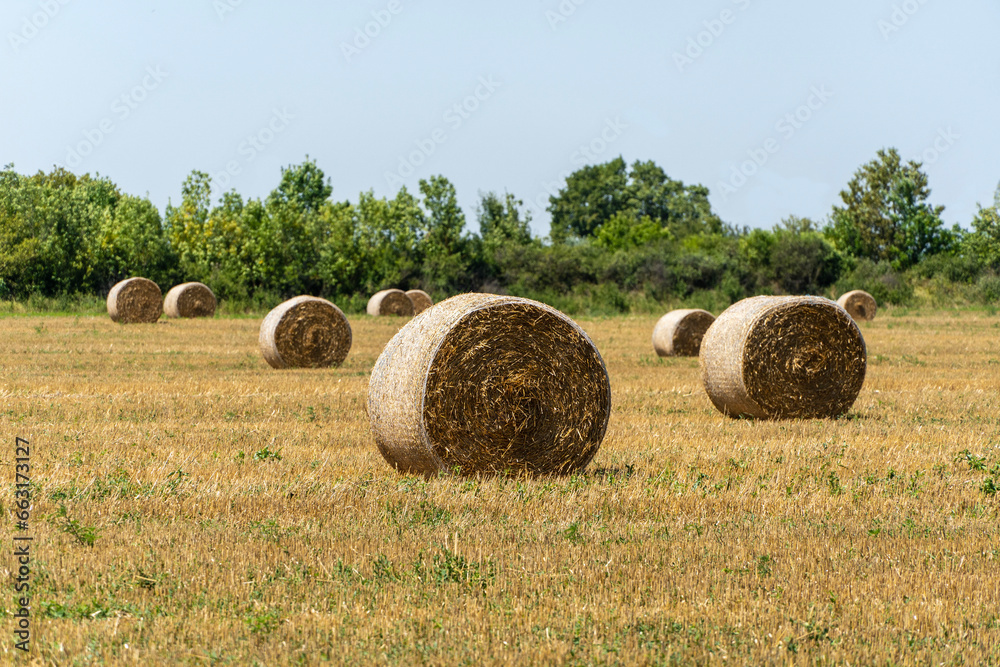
{"type": "Point", "coordinates": [679, 332]}
{"type": "Point", "coordinates": [305, 332]}
{"type": "Point", "coordinates": [777, 357]}
{"type": "Point", "coordinates": [135, 301]}
{"type": "Point", "coordinates": [390, 302]}
{"type": "Point", "coordinates": [420, 299]}
{"type": "Point", "coordinates": [859, 304]}
{"type": "Point", "coordinates": [189, 300]}
{"type": "Point", "coordinates": [489, 384]}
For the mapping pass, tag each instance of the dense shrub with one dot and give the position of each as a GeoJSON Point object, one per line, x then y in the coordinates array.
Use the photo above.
{"type": "Point", "coordinates": [652, 243]}
{"type": "Point", "coordinates": [878, 279]}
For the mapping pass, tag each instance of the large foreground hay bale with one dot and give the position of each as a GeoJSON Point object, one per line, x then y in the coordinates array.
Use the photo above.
{"type": "Point", "coordinates": [859, 304]}
{"type": "Point", "coordinates": [679, 332]}
{"type": "Point", "coordinates": [189, 300]}
{"type": "Point", "coordinates": [135, 300]}
{"type": "Point", "coordinates": [420, 299]}
{"type": "Point", "coordinates": [488, 384]}
{"type": "Point", "coordinates": [783, 357]}
{"type": "Point", "coordinates": [390, 302]}
{"type": "Point", "coordinates": [305, 332]}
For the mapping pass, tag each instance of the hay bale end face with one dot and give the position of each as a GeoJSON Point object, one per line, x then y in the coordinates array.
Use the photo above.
{"type": "Point", "coordinates": [305, 332]}
{"type": "Point", "coordinates": [679, 332]}
{"type": "Point", "coordinates": [783, 357]}
{"type": "Point", "coordinates": [189, 300]}
{"type": "Point", "coordinates": [390, 302]}
{"type": "Point", "coordinates": [859, 304]}
{"type": "Point", "coordinates": [135, 301]}
{"type": "Point", "coordinates": [420, 299]}
{"type": "Point", "coordinates": [489, 384]}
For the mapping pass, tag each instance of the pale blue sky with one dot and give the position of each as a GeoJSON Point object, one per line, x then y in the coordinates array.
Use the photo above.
{"type": "Point", "coordinates": [183, 85]}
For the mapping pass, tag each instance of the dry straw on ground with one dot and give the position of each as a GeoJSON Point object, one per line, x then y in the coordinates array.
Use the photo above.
{"type": "Point", "coordinates": [489, 384]}
{"type": "Point", "coordinates": [421, 300]}
{"type": "Point", "coordinates": [135, 301]}
{"type": "Point", "coordinates": [679, 332]}
{"type": "Point", "coordinates": [390, 302]}
{"type": "Point", "coordinates": [783, 357]}
{"type": "Point", "coordinates": [189, 300]}
{"type": "Point", "coordinates": [305, 332]}
{"type": "Point", "coordinates": [859, 304]}
{"type": "Point", "coordinates": [725, 538]}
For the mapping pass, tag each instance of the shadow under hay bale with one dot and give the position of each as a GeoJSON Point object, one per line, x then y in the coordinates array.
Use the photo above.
{"type": "Point", "coordinates": [135, 301]}
{"type": "Point", "coordinates": [189, 300]}
{"type": "Point", "coordinates": [679, 332]}
{"type": "Point", "coordinates": [859, 304]}
{"type": "Point", "coordinates": [305, 332]}
{"type": "Point", "coordinates": [421, 300]}
{"type": "Point", "coordinates": [390, 302]}
{"type": "Point", "coordinates": [777, 357]}
{"type": "Point", "coordinates": [489, 384]}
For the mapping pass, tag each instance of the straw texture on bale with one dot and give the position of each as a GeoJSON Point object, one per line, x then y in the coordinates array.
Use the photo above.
{"type": "Point", "coordinates": [421, 300]}
{"type": "Point", "coordinates": [679, 332]}
{"type": "Point", "coordinates": [390, 302]}
{"type": "Point", "coordinates": [777, 357]}
{"type": "Point", "coordinates": [859, 304]}
{"type": "Point", "coordinates": [189, 300]}
{"type": "Point", "coordinates": [482, 383]}
{"type": "Point", "coordinates": [305, 332]}
{"type": "Point", "coordinates": [135, 301]}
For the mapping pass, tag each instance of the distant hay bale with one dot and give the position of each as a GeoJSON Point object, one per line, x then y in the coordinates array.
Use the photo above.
{"type": "Point", "coordinates": [305, 332]}
{"type": "Point", "coordinates": [390, 302]}
{"type": "Point", "coordinates": [135, 301]}
{"type": "Point", "coordinates": [489, 384]}
{"type": "Point", "coordinates": [777, 357]}
{"type": "Point", "coordinates": [859, 304]}
{"type": "Point", "coordinates": [420, 299]}
{"type": "Point", "coordinates": [189, 300]}
{"type": "Point", "coordinates": [679, 332]}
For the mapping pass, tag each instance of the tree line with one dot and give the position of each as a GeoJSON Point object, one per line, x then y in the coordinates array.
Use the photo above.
{"type": "Point", "coordinates": [622, 237]}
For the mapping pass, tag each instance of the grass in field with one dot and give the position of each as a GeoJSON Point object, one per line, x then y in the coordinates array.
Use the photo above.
{"type": "Point", "coordinates": [193, 505]}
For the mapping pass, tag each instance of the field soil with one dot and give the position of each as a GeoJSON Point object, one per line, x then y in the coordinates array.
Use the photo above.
{"type": "Point", "coordinates": [194, 506]}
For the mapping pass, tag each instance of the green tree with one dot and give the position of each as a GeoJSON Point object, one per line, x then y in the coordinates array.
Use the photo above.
{"type": "Point", "coordinates": [595, 195]}
{"type": "Point", "coordinates": [885, 215]}
{"type": "Point", "coordinates": [802, 261]}
{"type": "Point", "coordinates": [624, 232]}
{"type": "Point", "coordinates": [282, 248]}
{"type": "Point", "coordinates": [983, 242]}
{"type": "Point", "coordinates": [62, 234]}
{"type": "Point", "coordinates": [681, 209]}
{"type": "Point", "coordinates": [501, 222]}
{"type": "Point", "coordinates": [130, 240]}
{"type": "Point", "coordinates": [186, 227]}
{"type": "Point", "coordinates": [304, 185]}
{"type": "Point", "coordinates": [443, 244]}
{"type": "Point", "coordinates": [387, 235]}
{"type": "Point", "coordinates": [341, 268]}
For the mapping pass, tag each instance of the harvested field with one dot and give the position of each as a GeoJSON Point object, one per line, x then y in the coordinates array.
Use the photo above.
{"type": "Point", "coordinates": [193, 506]}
